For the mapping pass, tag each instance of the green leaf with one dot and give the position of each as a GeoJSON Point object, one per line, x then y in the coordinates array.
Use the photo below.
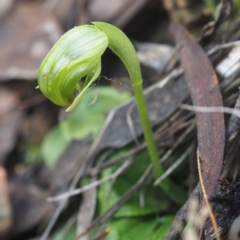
{"type": "Point", "coordinates": [131, 229]}
{"type": "Point", "coordinates": [52, 146]}
{"type": "Point", "coordinates": [162, 230]}
{"type": "Point", "coordinates": [86, 119]}
{"type": "Point", "coordinates": [139, 228]}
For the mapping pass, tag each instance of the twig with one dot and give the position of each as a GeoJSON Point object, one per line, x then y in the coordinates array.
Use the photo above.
{"type": "Point", "coordinates": [223, 46]}
{"type": "Point", "coordinates": [173, 59]}
{"type": "Point", "coordinates": [132, 152]}
{"type": "Point", "coordinates": [232, 111]}
{"type": "Point", "coordinates": [178, 142]}
{"type": "Point", "coordinates": [175, 73]}
{"type": "Point", "coordinates": [124, 167]}
{"type": "Point", "coordinates": [74, 192]}
{"type": "Point", "coordinates": [174, 166]}
{"type": "Point", "coordinates": [160, 84]}
{"type": "Point", "coordinates": [87, 209]}
{"type": "Point", "coordinates": [233, 85]}
{"type": "Point", "coordinates": [205, 196]}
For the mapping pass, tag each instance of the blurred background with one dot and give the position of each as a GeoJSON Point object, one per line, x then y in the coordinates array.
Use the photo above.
{"type": "Point", "coordinates": [40, 145]}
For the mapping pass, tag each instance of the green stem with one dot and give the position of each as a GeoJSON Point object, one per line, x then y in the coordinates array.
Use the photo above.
{"type": "Point", "coordinates": [169, 187]}
{"type": "Point", "coordinates": [147, 130]}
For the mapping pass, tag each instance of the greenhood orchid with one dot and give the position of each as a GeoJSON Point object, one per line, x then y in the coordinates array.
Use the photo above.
{"type": "Point", "coordinates": [77, 55]}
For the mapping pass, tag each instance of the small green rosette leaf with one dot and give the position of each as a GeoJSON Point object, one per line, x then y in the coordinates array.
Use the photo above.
{"type": "Point", "coordinates": [76, 55]}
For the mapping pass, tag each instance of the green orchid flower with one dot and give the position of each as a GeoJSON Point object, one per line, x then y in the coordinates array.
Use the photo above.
{"type": "Point", "coordinates": [76, 55]}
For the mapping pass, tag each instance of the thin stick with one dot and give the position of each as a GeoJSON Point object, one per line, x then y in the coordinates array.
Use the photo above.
{"type": "Point", "coordinates": [223, 46]}
{"type": "Point", "coordinates": [174, 166]}
{"type": "Point", "coordinates": [213, 219]}
{"type": "Point", "coordinates": [77, 191]}
{"type": "Point", "coordinates": [232, 111]}
{"type": "Point", "coordinates": [137, 150]}
{"type": "Point", "coordinates": [178, 142]}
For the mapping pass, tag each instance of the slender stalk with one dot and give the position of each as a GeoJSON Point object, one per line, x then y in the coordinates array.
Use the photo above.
{"type": "Point", "coordinates": [168, 186]}
{"type": "Point", "coordinates": [147, 130]}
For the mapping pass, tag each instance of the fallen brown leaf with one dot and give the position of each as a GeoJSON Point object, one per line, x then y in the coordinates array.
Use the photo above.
{"type": "Point", "coordinates": [205, 91]}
